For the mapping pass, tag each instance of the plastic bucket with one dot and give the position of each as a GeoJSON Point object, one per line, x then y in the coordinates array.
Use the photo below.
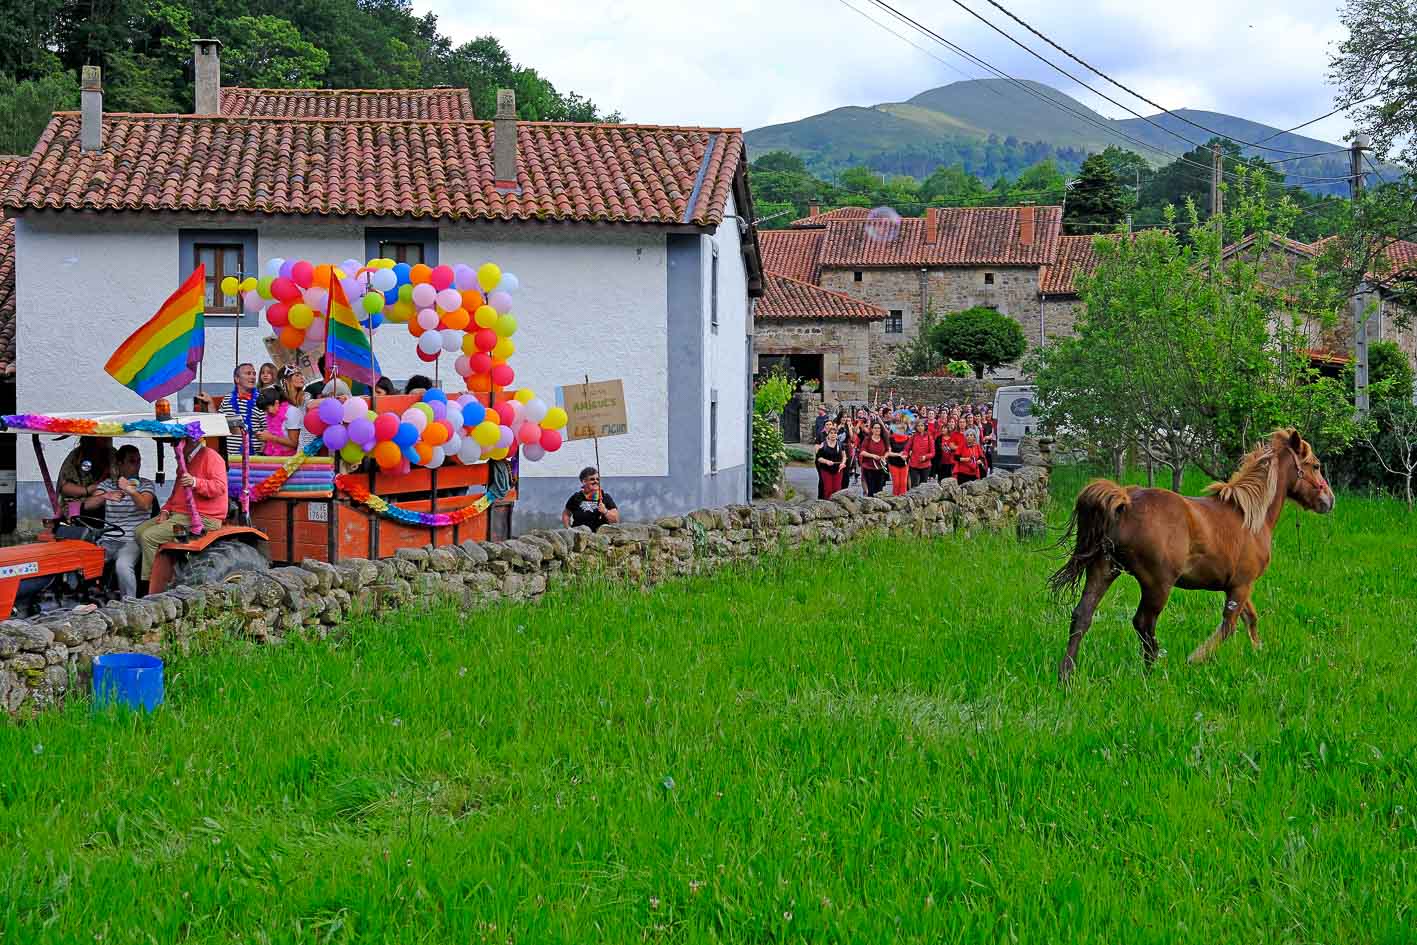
{"type": "Point", "coordinates": [131, 679]}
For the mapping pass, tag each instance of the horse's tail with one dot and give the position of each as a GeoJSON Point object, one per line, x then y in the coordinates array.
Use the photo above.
{"type": "Point", "coordinates": [1098, 507]}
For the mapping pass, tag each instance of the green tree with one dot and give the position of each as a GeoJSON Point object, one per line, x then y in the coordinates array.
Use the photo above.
{"type": "Point", "coordinates": [1130, 168]}
{"type": "Point", "coordinates": [784, 161]}
{"type": "Point", "coordinates": [268, 52]}
{"type": "Point", "coordinates": [982, 336]}
{"type": "Point", "coordinates": [919, 356]}
{"type": "Point", "coordinates": [26, 106]}
{"type": "Point", "coordinates": [1377, 67]}
{"type": "Point", "coordinates": [1095, 200]}
{"type": "Point", "coordinates": [1041, 181]}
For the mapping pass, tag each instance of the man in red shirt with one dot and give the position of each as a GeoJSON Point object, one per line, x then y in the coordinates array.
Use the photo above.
{"type": "Point", "coordinates": [206, 480]}
{"type": "Point", "coordinates": [921, 453]}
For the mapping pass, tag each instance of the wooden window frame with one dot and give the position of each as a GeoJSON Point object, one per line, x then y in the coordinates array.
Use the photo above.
{"type": "Point", "coordinates": [191, 242]}
{"type": "Point", "coordinates": [376, 236]}
{"type": "Point", "coordinates": [894, 323]}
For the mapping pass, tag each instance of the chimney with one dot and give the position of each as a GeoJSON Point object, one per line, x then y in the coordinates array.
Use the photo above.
{"type": "Point", "coordinates": [504, 142]}
{"type": "Point", "coordinates": [91, 109]}
{"type": "Point", "coordinates": [932, 225]}
{"type": "Point", "coordinates": [206, 67]}
{"type": "Point", "coordinates": [813, 209]}
{"type": "Point", "coordinates": [1025, 225]}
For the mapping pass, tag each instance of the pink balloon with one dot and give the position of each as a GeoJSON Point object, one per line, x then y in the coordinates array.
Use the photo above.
{"type": "Point", "coordinates": [550, 440]}
{"type": "Point", "coordinates": [449, 300]}
{"type": "Point", "coordinates": [505, 438]}
{"type": "Point", "coordinates": [441, 277]}
{"type": "Point", "coordinates": [316, 331]}
{"type": "Point", "coordinates": [529, 432]}
{"type": "Point", "coordinates": [427, 319]}
{"type": "Point", "coordinates": [465, 277]}
{"type": "Point", "coordinates": [252, 301]}
{"type": "Point", "coordinates": [462, 367]}
{"type": "Point", "coordinates": [501, 301]}
{"type": "Point", "coordinates": [424, 295]}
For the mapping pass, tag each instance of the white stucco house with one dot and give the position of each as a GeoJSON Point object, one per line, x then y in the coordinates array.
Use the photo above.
{"type": "Point", "coordinates": [633, 245]}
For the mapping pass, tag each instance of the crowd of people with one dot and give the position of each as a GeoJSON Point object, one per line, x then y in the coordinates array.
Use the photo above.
{"type": "Point", "coordinates": [903, 445]}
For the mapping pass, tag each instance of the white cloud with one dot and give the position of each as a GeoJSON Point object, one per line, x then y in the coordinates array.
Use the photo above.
{"type": "Point", "coordinates": [746, 63]}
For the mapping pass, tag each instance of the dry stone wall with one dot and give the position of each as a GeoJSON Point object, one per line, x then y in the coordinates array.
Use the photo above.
{"type": "Point", "coordinates": [44, 659]}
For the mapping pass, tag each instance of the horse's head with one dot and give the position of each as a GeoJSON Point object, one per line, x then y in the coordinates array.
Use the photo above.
{"type": "Point", "coordinates": [1310, 489]}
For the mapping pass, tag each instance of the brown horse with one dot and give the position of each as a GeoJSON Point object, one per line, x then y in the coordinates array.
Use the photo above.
{"type": "Point", "coordinates": [1217, 543]}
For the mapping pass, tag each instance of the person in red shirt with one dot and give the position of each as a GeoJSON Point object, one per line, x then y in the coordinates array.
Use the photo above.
{"type": "Point", "coordinates": [872, 456]}
{"type": "Point", "coordinates": [921, 453]}
{"type": "Point", "coordinates": [205, 479]}
{"type": "Point", "coordinates": [896, 460]}
{"type": "Point", "coordinates": [969, 460]}
{"type": "Point", "coordinates": [945, 452]}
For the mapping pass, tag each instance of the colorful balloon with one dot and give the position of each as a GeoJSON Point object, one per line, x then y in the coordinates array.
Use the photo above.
{"type": "Point", "coordinates": [488, 275]}
{"type": "Point", "coordinates": [331, 411]}
{"type": "Point", "coordinates": [501, 301]}
{"type": "Point", "coordinates": [555, 418]}
{"type": "Point", "coordinates": [303, 274]}
{"type": "Point", "coordinates": [230, 285]}
{"type": "Point", "coordinates": [529, 432]}
{"type": "Point", "coordinates": [387, 454]}
{"type": "Point", "coordinates": [503, 375]}
{"type": "Point", "coordinates": [441, 277]}
{"type": "Point", "coordinates": [485, 316]}
{"type": "Point", "coordinates": [550, 440]}
{"type": "Point", "coordinates": [352, 453]}
{"type": "Point", "coordinates": [486, 433]}
{"type": "Point", "coordinates": [535, 409]}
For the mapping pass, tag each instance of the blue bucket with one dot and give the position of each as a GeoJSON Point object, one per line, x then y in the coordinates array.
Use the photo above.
{"type": "Point", "coordinates": [131, 679]}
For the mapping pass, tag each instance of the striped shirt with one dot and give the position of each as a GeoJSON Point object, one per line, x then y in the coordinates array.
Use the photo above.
{"type": "Point", "coordinates": [235, 418]}
{"type": "Point", "coordinates": [124, 512]}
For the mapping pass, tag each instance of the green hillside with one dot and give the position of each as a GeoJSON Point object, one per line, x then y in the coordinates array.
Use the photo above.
{"type": "Point", "coordinates": [992, 127]}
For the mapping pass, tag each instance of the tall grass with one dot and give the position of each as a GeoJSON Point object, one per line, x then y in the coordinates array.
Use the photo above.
{"type": "Point", "coordinates": [861, 745]}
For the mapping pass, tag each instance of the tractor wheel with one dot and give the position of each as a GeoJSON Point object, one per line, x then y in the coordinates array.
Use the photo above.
{"type": "Point", "coordinates": [216, 562]}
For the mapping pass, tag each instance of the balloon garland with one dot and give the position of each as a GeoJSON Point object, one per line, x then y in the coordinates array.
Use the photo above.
{"type": "Point", "coordinates": [359, 492]}
{"type": "Point", "coordinates": [272, 483]}
{"type": "Point", "coordinates": [39, 423]}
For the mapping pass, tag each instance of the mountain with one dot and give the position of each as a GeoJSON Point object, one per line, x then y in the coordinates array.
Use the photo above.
{"type": "Point", "coordinates": [993, 128]}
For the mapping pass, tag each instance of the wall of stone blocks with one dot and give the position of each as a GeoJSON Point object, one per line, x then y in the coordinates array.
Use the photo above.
{"type": "Point", "coordinates": [934, 390]}
{"type": "Point", "coordinates": [844, 346]}
{"type": "Point", "coordinates": [45, 659]}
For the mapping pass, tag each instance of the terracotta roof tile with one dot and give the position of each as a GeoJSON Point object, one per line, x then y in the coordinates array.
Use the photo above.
{"type": "Point", "coordinates": [840, 213]}
{"type": "Point", "coordinates": [968, 236]}
{"type": "Point", "coordinates": [365, 104]}
{"type": "Point", "coordinates": [790, 298]}
{"type": "Point", "coordinates": [1401, 257]}
{"type": "Point", "coordinates": [389, 168]}
{"type": "Point", "coordinates": [1294, 246]}
{"type": "Point", "coordinates": [9, 166]}
{"type": "Point", "coordinates": [1076, 256]}
{"type": "Point", "coordinates": [793, 253]}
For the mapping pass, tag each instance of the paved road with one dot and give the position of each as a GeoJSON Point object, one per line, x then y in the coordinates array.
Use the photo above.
{"type": "Point", "coordinates": [804, 480]}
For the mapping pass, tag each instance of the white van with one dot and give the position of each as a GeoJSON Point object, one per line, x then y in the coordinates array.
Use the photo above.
{"type": "Point", "coordinates": [1013, 412]}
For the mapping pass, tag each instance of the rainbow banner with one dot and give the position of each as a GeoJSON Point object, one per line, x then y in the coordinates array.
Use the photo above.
{"type": "Point", "coordinates": [348, 351]}
{"type": "Point", "coordinates": [161, 357]}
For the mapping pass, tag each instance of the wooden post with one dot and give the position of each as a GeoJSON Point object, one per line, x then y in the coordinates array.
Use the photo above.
{"type": "Point", "coordinates": [1356, 303]}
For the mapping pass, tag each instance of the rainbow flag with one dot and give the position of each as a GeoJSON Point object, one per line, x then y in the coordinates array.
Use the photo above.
{"type": "Point", "coordinates": [348, 351]}
{"type": "Point", "coordinates": [162, 357]}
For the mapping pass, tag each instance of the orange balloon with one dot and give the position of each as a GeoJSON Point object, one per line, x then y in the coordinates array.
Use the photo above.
{"type": "Point", "coordinates": [457, 319]}
{"type": "Point", "coordinates": [425, 452]}
{"type": "Point", "coordinates": [479, 383]}
{"type": "Point", "coordinates": [435, 434]}
{"type": "Point", "coordinates": [419, 274]}
{"type": "Point", "coordinates": [387, 454]}
{"type": "Point", "coordinates": [292, 337]}
{"type": "Point", "coordinates": [322, 275]}
{"type": "Point", "coordinates": [472, 300]}
{"type": "Point", "coordinates": [414, 328]}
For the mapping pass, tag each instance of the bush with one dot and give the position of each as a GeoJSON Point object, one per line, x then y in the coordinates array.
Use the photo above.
{"type": "Point", "coordinates": [918, 357]}
{"type": "Point", "coordinates": [800, 454]}
{"type": "Point", "coordinates": [769, 455]}
{"type": "Point", "coordinates": [959, 369]}
{"type": "Point", "coordinates": [984, 337]}
{"type": "Point", "coordinates": [773, 393]}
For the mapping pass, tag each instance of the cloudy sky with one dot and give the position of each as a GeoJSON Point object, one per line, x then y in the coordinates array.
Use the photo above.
{"type": "Point", "coordinates": [747, 63]}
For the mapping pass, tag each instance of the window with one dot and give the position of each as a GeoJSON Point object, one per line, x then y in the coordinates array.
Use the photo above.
{"type": "Point", "coordinates": [713, 430]}
{"type": "Point", "coordinates": [223, 253]}
{"type": "Point", "coordinates": [713, 290]}
{"type": "Point", "coordinates": [895, 325]}
{"type": "Point", "coordinates": [856, 276]}
{"type": "Point", "coordinates": [412, 245]}
{"type": "Point", "coordinates": [988, 278]}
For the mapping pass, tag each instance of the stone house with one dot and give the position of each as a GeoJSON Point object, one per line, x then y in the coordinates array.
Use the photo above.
{"type": "Point", "coordinates": [818, 332]}
{"type": "Point", "coordinates": [1058, 298]}
{"type": "Point", "coordinates": [633, 244]}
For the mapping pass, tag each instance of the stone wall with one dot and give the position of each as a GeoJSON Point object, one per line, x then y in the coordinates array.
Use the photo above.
{"type": "Point", "coordinates": [1059, 315]}
{"type": "Point", "coordinates": [844, 346]}
{"type": "Point", "coordinates": [42, 660]}
{"type": "Point", "coordinates": [935, 390]}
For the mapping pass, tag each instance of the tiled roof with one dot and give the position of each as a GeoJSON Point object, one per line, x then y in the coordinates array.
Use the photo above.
{"type": "Point", "coordinates": [793, 253]}
{"type": "Point", "coordinates": [1294, 246]}
{"type": "Point", "coordinates": [840, 213]}
{"type": "Point", "coordinates": [422, 104]}
{"type": "Point", "coordinates": [9, 165]}
{"type": "Point", "coordinates": [1401, 257]}
{"type": "Point", "coordinates": [1076, 256]}
{"type": "Point", "coordinates": [791, 298]}
{"type": "Point", "coordinates": [968, 236]}
{"type": "Point", "coordinates": [389, 168]}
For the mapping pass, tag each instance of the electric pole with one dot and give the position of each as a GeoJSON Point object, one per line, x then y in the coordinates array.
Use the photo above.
{"type": "Point", "coordinates": [1357, 304]}
{"type": "Point", "coordinates": [1217, 170]}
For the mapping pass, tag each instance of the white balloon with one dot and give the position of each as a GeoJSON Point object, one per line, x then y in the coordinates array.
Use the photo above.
{"type": "Point", "coordinates": [384, 280]}
{"type": "Point", "coordinates": [454, 445]}
{"type": "Point", "coordinates": [509, 283]}
{"type": "Point", "coordinates": [436, 459]}
{"type": "Point", "coordinates": [533, 452]}
{"type": "Point", "coordinates": [273, 266]}
{"type": "Point", "coordinates": [430, 342]}
{"type": "Point", "coordinates": [452, 340]}
{"type": "Point", "coordinates": [470, 452]}
{"type": "Point", "coordinates": [536, 409]}
{"type": "Point", "coordinates": [454, 416]}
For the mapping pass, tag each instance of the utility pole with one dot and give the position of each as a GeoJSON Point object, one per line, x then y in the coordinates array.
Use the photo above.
{"type": "Point", "coordinates": [1217, 170]}
{"type": "Point", "coordinates": [1357, 304]}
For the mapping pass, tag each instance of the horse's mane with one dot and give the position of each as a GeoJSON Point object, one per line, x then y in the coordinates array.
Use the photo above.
{"type": "Point", "coordinates": [1251, 488]}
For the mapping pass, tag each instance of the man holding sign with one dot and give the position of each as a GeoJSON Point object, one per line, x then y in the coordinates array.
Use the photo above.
{"type": "Point", "coordinates": [590, 506]}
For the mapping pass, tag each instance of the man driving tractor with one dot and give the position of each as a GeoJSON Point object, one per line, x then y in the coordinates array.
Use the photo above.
{"type": "Point", "coordinates": [127, 500]}
{"type": "Point", "coordinates": [205, 479]}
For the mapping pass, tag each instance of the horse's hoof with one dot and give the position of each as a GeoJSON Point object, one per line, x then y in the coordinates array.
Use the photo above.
{"type": "Point", "coordinates": [1065, 671]}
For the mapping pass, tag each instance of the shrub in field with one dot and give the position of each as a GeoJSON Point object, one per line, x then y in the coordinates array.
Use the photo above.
{"type": "Point", "coordinates": [769, 456]}
{"type": "Point", "coordinates": [959, 369]}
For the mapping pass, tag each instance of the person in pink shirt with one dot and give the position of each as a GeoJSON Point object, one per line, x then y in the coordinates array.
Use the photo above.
{"type": "Point", "coordinates": [206, 480]}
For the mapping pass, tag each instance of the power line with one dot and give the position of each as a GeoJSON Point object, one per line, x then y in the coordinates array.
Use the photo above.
{"type": "Point", "coordinates": [1343, 107]}
{"type": "Point", "coordinates": [1375, 168]}
{"type": "Point", "coordinates": [948, 65]}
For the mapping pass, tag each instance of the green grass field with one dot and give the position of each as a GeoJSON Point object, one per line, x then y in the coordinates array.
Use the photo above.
{"type": "Point", "coordinates": [862, 745]}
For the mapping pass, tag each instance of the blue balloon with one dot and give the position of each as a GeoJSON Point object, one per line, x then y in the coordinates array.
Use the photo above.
{"type": "Point", "coordinates": [473, 413]}
{"type": "Point", "coordinates": [392, 295]}
{"type": "Point", "coordinates": [411, 454]}
{"type": "Point", "coordinates": [433, 394]}
{"type": "Point", "coordinates": [401, 270]}
{"type": "Point", "coordinates": [407, 435]}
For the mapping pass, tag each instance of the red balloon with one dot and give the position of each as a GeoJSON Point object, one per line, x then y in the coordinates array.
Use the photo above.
{"type": "Point", "coordinates": [385, 426]}
{"type": "Point", "coordinates": [285, 290]}
{"type": "Point", "coordinates": [278, 315]}
{"type": "Point", "coordinates": [441, 277]}
{"type": "Point", "coordinates": [529, 433]}
{"type": "Point", "coordinates": [503, 375]}
{"type": "Point", "coordinates": [428, 358]}
{"type": "Point", "coordinates": [485, 339]}
{"type": "Point", "coordinates": [481, 363]}
{"type": "Point", "coordinates": [506, 413]}
{"type": "Point", "coordinates": [313, 423]}
{"type": "Point", "coordinates": [550, 440]}
{"type": "Point", "coordinates": [303, 273]}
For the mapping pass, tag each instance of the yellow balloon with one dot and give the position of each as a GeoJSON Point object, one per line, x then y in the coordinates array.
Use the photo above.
{"type": "Point", "coordinates": [486, 433]}
{"type": "Point", "coordinates": [400, 312]}
{"type": "Point", "coordinates": [525, 394]}
{"type": "Point", "coordinates": [486, 316]}
{"type": "Point", "coordinates": [503, 350]}
{"type": "Point", "coordinates": [230, 286]}
{"type": "Point", "coordinates": [488, 275]}
{"type": "Point", "coordinates": [499, 453]}
{"type": "Point", "coordinates": [469, 344]}
{"type": "Point", "coordinates": [248, 284]}
{"type": "Point", "coordinates": [506, 326]}
{"type": "Point", "coordinates": [555, 419]}
{"type": "Point", "coordinates": [301, 315]}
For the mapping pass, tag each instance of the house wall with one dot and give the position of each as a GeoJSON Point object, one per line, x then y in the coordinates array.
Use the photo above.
{"type": "Point", "coordinates": [912, 291]}
{"type": "Point", "coordinates": [845, 347]}
{"type": "Point", "coordinates": [597, 301]}
{"type": "Point", "coordinates": [1059, 316]}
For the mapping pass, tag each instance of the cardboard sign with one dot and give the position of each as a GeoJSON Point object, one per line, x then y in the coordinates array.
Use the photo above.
{"type": "Point", "coordinates": [281, 357]}
{"type": "Point", "coordinates": [594, 410]}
